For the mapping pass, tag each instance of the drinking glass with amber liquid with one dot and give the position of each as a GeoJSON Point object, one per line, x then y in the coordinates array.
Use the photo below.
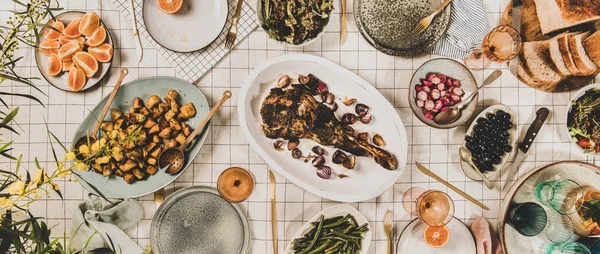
{"type": "Point", "coordinates": [435, 208]}
{"type": "Point", "coordinates": [501, 44]}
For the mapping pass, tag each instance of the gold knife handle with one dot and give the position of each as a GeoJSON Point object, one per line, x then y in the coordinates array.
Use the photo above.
{"type": "Point", "coordinates": [274, 224]}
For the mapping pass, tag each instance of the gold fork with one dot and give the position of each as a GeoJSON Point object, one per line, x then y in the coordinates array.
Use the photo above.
{"type": "Point", "coordinates": [426, 22]}
{"type": "Point", "coordinates": [233, 30]}
{"type": "Point", "coordinates": [159, 196]}
{"type": "Point", "coordinates": [387, 227]}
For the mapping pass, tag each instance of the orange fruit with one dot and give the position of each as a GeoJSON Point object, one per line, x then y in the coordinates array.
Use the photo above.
{"type": "Point", "coordinates": [49, 47]}
{"type": "Point", "coordinates": [53, 35]}
{"type": "Point", "coordinates": [72, 29]}
{"type": "Point", "coordinates": [76, 79]}
{"type": "Point", "coordinates": [67, 65]}
{"type": "Point", "coordinates": [436, 237]}
{"type": "Point", "coordinates": [102, 53]}
{"type": "Point", "coordinates": [169, 6]}
{"type": "Point", "coordinates": [68, 50]}
{"type": "Point", "coordinates": [97, 37]}
{"type": "Point", "coordinates": [64, 40]}
{"type": "Point", "coordinates": [54, 65]}
{"type": "Point", "coordinates": [86, 62]}
{"type": "Point", "coordinates": [89, 23]}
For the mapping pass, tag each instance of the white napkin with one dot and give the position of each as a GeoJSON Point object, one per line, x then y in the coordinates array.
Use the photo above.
{"type": "Point", "coordinates": [104, 223]}
{"type": "Point", "coordinates": [468, 25]}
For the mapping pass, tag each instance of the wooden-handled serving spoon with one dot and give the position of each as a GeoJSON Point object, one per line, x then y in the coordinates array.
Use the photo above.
{"type": "Point", "coordinates": [91, 137]}
{"type": "Point", "coordinates": [174, 158]}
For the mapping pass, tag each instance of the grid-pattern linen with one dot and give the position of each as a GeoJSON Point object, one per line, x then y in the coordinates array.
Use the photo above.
{"type": "Point", "coordinates": [226, 146]}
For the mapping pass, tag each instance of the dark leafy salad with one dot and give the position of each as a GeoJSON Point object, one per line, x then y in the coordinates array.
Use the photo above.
{"type": "Point", "coordinates": [584, 121]}
{"type": "Point", "coordinates": [295, 21]}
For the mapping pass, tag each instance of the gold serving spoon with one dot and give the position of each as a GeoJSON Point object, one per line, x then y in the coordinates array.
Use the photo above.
{"type": "Point", "coordinates": [91, 137]}
{"type": "Point", "coordinates": [173, 158]}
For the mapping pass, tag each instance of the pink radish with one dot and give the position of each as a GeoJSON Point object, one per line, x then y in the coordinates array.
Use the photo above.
{"type": "Point", "coordinates": [441, 86]}
{"type": "Point", "coordinates": [445, 101]}
{"type": "Point", "coordinates": [427, 89]}
{"type": "Point", "coordinates": [419, 88]}
{"type": "Point", "coordinates": [455, 98]}
{"type": "Point", "coordinates": [422, 95]}
{"type": "Point", "coordinates": [428, 115]}
{"type": "Point", "coordinates": [450, 89]}
{"type": "Point", "coordinates": [444, 109]}
{"type": "Point", "coordinates": [420, 103]}
{"type": "Point", "coordinates": [435, 80]}
{"type": "Point", "coordinates": [442, 93]}
{"type": "Point", "coordinates": [456, 82]}
{"type": "Point", "coordinates": [442, 78]}
{"type": "Point", "coordinates": [427, 83]}
{"type": "Point", "coordinates": [435, 94]}
{"type": "Point", "coordinates": [431, 75]}
{"type": "Point", "coordinates": [429, 105]}
{"type": "Point", "coordinates": [458, 91]}
{"type": "Point", "coordinates": [438, 105]}
{"type": "Point", "coordinates": [448, 82]}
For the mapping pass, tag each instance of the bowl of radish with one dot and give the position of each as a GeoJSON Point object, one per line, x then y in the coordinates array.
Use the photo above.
{"type": "Point", "coordinates": [438, 85]}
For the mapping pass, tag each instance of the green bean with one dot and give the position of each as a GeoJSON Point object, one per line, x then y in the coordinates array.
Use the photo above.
{"type": "Point", "coordinates": [321, 247]}
{"type": "Point", "coordinates": [335, 238]}
{"type": "Point", "coordinates": [337, 223]}
{"type": "Point", "coordinates": [340, 234]}
{"type": "Point", "coordinates": [316, 237]}
{"type": "Point", "coordinates": [328, 220]}
{"type": "Point", "coordinates": [333, 247]}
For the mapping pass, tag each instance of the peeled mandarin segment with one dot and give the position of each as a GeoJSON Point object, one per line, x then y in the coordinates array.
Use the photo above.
{"type": "Point", "coordinates": [86, 62]}
{"type": "Point", "coordinates": [53, 35]}
{"type": "Point", "coordinates": [102, 53]}
{"type": "Point", "coordinates": [49, 47]}
{"type": "Point", "coordinates": [76, 80]}
{"type": "Point", "coordinates": [64, 40]}
{"type": "Point", "coordinates": [54, 65]}
{"type": "Point", "coordinates": [97, 37]}
{"type": "Point", "coordinates": [72, 29]}
{"type": "Point", "coordinates": [68, 50]}
{"type": "Point", "coordinates": [68, 65]}
{"type": "Point", "coordinates": [169, 6]}
{"type": "Point", "coordinates": [89, 23]}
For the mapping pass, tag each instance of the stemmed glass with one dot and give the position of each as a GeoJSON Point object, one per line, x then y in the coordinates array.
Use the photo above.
{"type": "Point", "coordinates": [434, 208]}
{"type": "Point", "coordinates": [501, 44]}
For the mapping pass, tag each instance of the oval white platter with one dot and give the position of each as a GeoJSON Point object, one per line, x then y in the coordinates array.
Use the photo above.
{"type": "Point", "coordinates": [585, 174]}
{"type": "Point", "coordinates": [512, 140]}
{"type": "Point", "coordinates": [336, 210]}
{"type": "Point", "coordinates": [368, 179]}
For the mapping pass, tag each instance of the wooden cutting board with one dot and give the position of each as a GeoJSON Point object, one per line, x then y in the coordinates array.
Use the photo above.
{"type": "Point", "coordinates": [531, 31]}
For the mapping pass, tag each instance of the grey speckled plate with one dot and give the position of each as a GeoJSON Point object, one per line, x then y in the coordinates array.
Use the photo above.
{"type": "Point", "coordinates": [388, 24]}
{"type": "Point", "coordinates": [197, 220]}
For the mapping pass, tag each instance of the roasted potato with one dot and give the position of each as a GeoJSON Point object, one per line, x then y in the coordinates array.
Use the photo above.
{"type": "Point", "coordinates": [138, 173]}
{"type": "Point", "coordinates": [151, 170]}
{"type": "Point", "coordinates": [181, 138]}
{"type": "Point", "coordinates": [186, 129]}
{"type": "Point", "coordinates": [145, 111]}
{"type": "Point", "coordinates": [118, 172]}
{"type": "Point", "coordinates": [170, 143]}
{"type": "Point", "coordinates": [106, 171]}
{"type": "Point", "coordinates": [186, 111]}
{"type": "Point", "coordinates": [128, 165]}
{"type": "Point", "coordinates": [137, 118]}
{"type": "Point", "coordinates": [165, 133]}
{"type": "Point", "coordinates": [156, 139]}
{"type": "Point", "coordinates": [107, 126]}
{"type": "Point", "coordinates": [150, 146]}
{"type": "Point", "coordinates": [172, 95]}
{"type": "Point", "coordinates": [175, 106]}
{"type": "Point", "coordinates": [174, 124]}
{"type": "Point", "coordinates": [170, 114]}
{"type": "Point", "coordinates": [115, 114]}
{"type": "Point", "coordinates": [154, 130]}
{"type": "Point", "coordinates": [138, 103]}
{"type": "Point", "coordinates": [151, 161]}
{"type": "Point", "coordinates": [129, 178]}
{"type": "Point", "coordinates": [150, 123]}
{"type": "Point", "coordinates": [163, 123]}
{"type": "Point", "coordinates": [156, 152]}
{"type": "Point", "coordinates": [118, 124]}
{"type": "Point", "coordinates": [152, 101]}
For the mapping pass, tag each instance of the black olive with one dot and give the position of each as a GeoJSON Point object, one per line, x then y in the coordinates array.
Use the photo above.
{"type": "Point", "coordinates": [468, 139]}
{"type": "Point", "coordinates": [481, 120]}
{"type": "Point", "coordinates": [496, 160]}
{"type": "Point", "coordinates": [508, 148]}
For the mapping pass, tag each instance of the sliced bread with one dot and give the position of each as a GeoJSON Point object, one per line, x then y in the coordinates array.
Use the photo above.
{"type": "Point", "coordinates": [592, 47]}
{"type": "Point", "coordinates": [583, 62]}
{"type": "Point", "coordinates": [563, 46]}
{"type": "Point", "coordinates": [524, 73]}
{"type": "Point", "coordinates": [557, 58]}
{"type": "Point", "coordinates": [539, 64]}
{"type": "Point", "coordinates": [556, 15]}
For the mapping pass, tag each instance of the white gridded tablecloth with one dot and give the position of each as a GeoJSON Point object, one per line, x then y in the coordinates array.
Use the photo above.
{"type": "Point", "coordinates": [226, 146]}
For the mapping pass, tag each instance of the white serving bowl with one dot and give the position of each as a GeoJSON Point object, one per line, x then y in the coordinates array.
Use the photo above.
{"type": "Point", "coordinates": [579, 93]}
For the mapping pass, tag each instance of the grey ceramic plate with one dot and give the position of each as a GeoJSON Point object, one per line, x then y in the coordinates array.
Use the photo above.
{"type": "Point", "coordinates": [450, 68]}
{"type": "Point", "coordinates": [387, 24]}
{"type": "Point", "coordinates": [116, 187]}
{"type": "Point", "coordinates": [192, 28]}
{"type": "Point", "coordinates": [197, 220]}
{"type": "Point", "coordinates": [60, 81]}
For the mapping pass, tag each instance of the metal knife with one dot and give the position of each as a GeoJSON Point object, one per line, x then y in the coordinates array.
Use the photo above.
{"type": "Point", "coordinates": [139, 51]}
{"type": "Point", "coordinates": [524, 146]}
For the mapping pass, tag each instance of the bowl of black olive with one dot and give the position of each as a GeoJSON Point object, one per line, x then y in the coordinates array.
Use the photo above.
{"type": "Point", "coordinates": [491, 139]}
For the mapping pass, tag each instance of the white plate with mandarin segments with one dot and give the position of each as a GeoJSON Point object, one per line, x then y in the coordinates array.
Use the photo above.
{"type": "Point", "coordinates": [368, 179]}
{"type": "Point", "coordinates": [412, 240]}
{"type": "Point", "coordinates": [512, 140]}
{"type": "Point", "coordinates": [336, 210]}
{"type": "Point", "coordinates": [60, 81]}
{"type": "Point", "coordinates": [196, 25]}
